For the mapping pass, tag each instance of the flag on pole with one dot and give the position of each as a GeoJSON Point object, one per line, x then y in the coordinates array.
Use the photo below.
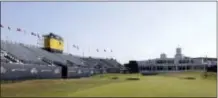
{"type": "Point", "coordinates": [9, 28]}
{"type": "Point", "coordinates": [32, 33]}
{"type": "Point", "coordinates": [2, 26]}
{"type": "Point", "coordinates": [38, 35]}
{"type": "Point", "coordinates": [18, 29]}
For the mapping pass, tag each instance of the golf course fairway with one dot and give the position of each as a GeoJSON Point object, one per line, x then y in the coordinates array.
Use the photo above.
{"type": "Point", "coordinates": [162, 85]}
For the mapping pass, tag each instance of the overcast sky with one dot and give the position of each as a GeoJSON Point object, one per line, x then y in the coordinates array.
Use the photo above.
{"type": "Point", "coordinates": [139, 31]}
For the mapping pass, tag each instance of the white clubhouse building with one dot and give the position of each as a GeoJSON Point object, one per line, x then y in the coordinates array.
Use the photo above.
{"type": "Point", "coordinates": [178, 63]}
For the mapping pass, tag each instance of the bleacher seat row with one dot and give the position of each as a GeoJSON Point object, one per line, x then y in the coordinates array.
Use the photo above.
{"type": "Point", "coordinates": [19, 61]}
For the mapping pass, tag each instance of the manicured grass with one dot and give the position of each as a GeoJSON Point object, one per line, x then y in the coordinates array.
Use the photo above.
{"type": "Point", "coordinates": [163, 85]}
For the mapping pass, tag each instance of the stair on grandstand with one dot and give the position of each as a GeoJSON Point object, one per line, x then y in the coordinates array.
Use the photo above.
{"type": "Point", "coordinates": [117, 64]}
{"type": "Point", "coordinates": [108, 63]}
{"type": "Point", "coordinates": [49, 62]}
{"type": "Point", "coordinates": [51, 58]}
{"type": "Point", "coordinates": [72, 60]}
{"type": "Point", "coordinates": [91, 62]}
{"type": "Point", "coordinates": [96, 63]}
{"type": "Point", "coordinates": [5, 60]}
{"type": "Point", "coordinates": [18, 51]}
{"type": "Point", "coordinates": [9, 58]}
{"type": "Point", "coordinates": [43, 54]}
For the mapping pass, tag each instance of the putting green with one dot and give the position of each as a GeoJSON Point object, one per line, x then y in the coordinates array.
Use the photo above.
{"type": "Point", "coordinates": [165, 85]}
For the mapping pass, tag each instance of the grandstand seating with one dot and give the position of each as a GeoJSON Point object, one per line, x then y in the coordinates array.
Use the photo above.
{"type": "Point", "coordinates": [96, 63]}
{"type": "Point", "coordinates": [91, 62]}
{"type": "Point", "coordinates": [20, 52]}
{"type": "Point", "coordinates": [3, 59]}
{"type": "Point", "coordinates": [71, 58]}
{"type": "Point", "coordinates": [43, 53]}
{"type": "Point", "coordinates": [9, 57]}
{"type": "Point", "coordinates": [114, 62]}
{"type": "Point", "coordinates": [28, 57]}
{"type": "Point", "coordinates": [109, 62]}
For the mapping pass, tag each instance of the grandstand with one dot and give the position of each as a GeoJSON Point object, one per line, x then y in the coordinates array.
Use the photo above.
{"type": "Point", "coordinates": [21, 61]}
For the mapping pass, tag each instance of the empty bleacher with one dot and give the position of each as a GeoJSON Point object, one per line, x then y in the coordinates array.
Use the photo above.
{"type": "Point", "coordinates": [21, 61]}
{"type": "Point", "coordinates": [5, 60]}
{"type": "Point", "coordinates": [108, 62]}
{"type": "Point", "coordinates": [96, 63]}
{"type": "Point", "coordinates": [18, 51]}
{"type": "Point", "coordinates": [71, 58]}
{"type": "Point", "coordinates": [43, 53]}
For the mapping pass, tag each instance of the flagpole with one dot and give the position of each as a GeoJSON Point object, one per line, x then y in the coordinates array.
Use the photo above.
{"type": "Point", "coordinates": [97, 51]}
{"type": "Point", "coordinates": [205, 64]}
{"type": "Point", "coordinates": [7, 35]}
{"type": "Point", "coordinates": [67, 46]}
{"type": "Point", "coordinates": [83, 53]}
{"type": "Point", "coordinates": [37, 42]}
{"type": "Point", "coordinates": [73, 46]}
{"type": "Point", "coordinates": [104, 54]}
{"type": "Point", "coordinates": [111, 54]}
{"type": "Point", "coordinates": [89, 51]}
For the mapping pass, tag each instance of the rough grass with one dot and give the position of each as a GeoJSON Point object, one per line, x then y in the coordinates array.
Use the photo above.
{"type": "Point", "coordinates": [163, 85]}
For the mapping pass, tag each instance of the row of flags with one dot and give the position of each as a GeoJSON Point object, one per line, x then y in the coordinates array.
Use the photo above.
{"type": "Point", "coordinates": [39, 36]}
{"type": "Point", "coordinates": [21, 30]}
{"type": "Point", "coordinates": [97, 50]}
{"type": "Point", "coordinates": [75, 46]}
{"type": "Point", "coordinates": [104, 50]}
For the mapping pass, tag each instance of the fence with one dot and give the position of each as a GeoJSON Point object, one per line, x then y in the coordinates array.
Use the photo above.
{"type": "Point", "coordinates": [27, 71]}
